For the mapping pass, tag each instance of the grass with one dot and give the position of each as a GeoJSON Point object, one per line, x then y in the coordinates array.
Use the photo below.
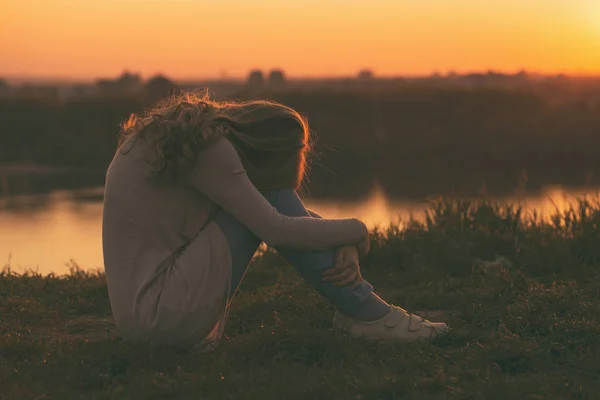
{"type": "Point", "coordinates": [520, 292]}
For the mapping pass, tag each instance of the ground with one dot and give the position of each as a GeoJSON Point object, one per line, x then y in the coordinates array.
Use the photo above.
{"type": "Point", "coordinates": [520, 293]}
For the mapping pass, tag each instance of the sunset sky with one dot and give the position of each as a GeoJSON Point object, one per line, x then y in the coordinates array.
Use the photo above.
{"type": "Point", "coordinates": [84, 39]}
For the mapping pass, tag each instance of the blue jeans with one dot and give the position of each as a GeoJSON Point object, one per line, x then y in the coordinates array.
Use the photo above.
{"type": "Point", "coordinates": [310, 264]}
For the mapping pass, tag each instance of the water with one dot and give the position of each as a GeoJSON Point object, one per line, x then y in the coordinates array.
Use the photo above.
{"type": "Point", "coordinates": [49, 232]}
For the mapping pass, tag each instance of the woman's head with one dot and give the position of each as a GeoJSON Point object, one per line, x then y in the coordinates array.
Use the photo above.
{"type": "Point", "coordinates": [272, 140]}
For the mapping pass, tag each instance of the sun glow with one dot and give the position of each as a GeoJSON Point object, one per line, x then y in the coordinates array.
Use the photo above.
{"type": "Point", "coordinates": [189, 38]}
{"type": "Point", "coordinates": [594, 15]}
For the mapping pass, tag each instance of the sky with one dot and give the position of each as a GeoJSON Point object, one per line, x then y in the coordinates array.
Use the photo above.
{"type": "Point", "coordinates": [86, 39]}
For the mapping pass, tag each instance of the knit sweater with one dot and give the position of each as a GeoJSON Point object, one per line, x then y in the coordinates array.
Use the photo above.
{"type": "Point", "coordinates": [167, 264]}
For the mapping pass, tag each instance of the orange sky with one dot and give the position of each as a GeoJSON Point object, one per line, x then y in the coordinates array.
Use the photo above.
{"type": "Point", "coordinates": [82, 39]}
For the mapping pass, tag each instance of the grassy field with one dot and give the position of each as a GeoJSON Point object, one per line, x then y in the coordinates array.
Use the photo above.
{"type": "Point", "coordinates": [521, 294]}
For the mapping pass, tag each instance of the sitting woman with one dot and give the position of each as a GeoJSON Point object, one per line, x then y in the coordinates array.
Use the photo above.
{"type": "Point", "coordinates": [194, 188]}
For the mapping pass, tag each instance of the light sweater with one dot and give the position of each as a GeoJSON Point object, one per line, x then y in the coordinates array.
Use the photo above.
{"type": "Point", "coordinates": [167, 264]}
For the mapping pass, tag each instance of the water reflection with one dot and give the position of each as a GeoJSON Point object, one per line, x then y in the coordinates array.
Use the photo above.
{"type": "Point", "coordinates": [46, 232]}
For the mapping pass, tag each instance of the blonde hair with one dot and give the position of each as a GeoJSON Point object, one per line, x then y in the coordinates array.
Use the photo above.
{"type": "Point", "coordinates": [272, 140]}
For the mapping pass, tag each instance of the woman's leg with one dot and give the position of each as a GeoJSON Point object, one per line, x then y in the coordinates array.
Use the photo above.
{"type": "Point", "coordinates": [242, 246]}
{"type": "Point", "coordinates": [359, 303]}
{"type": "Point", "coordinates": [242, 243]}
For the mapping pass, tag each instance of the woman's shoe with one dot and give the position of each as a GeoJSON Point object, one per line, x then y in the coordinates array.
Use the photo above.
{"type": "Point", "coordinates": [397, 325]}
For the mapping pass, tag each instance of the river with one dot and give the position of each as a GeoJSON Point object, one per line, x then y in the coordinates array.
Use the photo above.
{"type": "Point", "coordinates": [48, 233]}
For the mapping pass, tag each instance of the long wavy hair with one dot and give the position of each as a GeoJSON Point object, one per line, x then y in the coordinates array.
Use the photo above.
{"type": "Point", "coordinates": [272, 140]}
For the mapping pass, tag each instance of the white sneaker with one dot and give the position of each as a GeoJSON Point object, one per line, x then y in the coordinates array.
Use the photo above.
{"type": "Point", "coordinates": [397, 325]}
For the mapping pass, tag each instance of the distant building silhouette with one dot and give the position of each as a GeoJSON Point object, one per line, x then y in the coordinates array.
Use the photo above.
{"type": "Point", "coordinates": [522, 74]}
{"type": "Point", "coordinates": [256, 79]}
{"type": "Point", "coordinates": [159, 87]}
{"type": "Point", "coordinates": [366, 75]}
{"type": "Point", "coordinates": [436, 75]}
{"type": "Point", "coordinates": [276, 79]}
{"type": "Point", "coordinates": [496, 80]}
{"type": "Point", "coordinates": [127, 83]}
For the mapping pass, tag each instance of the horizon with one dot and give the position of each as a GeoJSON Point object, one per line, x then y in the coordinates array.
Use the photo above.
{"type": "Point", "coordinates": [92, 80]}
{"type": "Point", "coordinates": [202, 40]}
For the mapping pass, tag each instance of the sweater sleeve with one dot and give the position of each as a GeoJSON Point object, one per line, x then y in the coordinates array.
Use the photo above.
{"type": "Point", "coordinates": [220, 175]}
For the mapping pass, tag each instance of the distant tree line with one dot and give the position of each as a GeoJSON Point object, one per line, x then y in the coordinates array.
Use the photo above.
{"type": "Point", "coordinates": [414, 142]}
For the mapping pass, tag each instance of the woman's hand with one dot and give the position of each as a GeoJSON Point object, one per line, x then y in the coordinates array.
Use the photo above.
{"type": "Point", "coordinates": [364, 245]}
{"type": "Point", "coordinates": [346, 270]}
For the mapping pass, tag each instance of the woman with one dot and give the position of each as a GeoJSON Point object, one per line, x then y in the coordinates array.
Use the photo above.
{"type": "Point", "coordinates": [194, 188]}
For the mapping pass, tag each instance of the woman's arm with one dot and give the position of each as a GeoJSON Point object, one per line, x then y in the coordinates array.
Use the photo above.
{"type": "Point", "coordinates": [363, 246]}
{"type": "Point", "coordinates": [220, 175]}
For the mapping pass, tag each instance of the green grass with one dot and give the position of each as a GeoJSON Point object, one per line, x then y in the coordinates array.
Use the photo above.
{"type": "Point", "coordinates": [521, 294]}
